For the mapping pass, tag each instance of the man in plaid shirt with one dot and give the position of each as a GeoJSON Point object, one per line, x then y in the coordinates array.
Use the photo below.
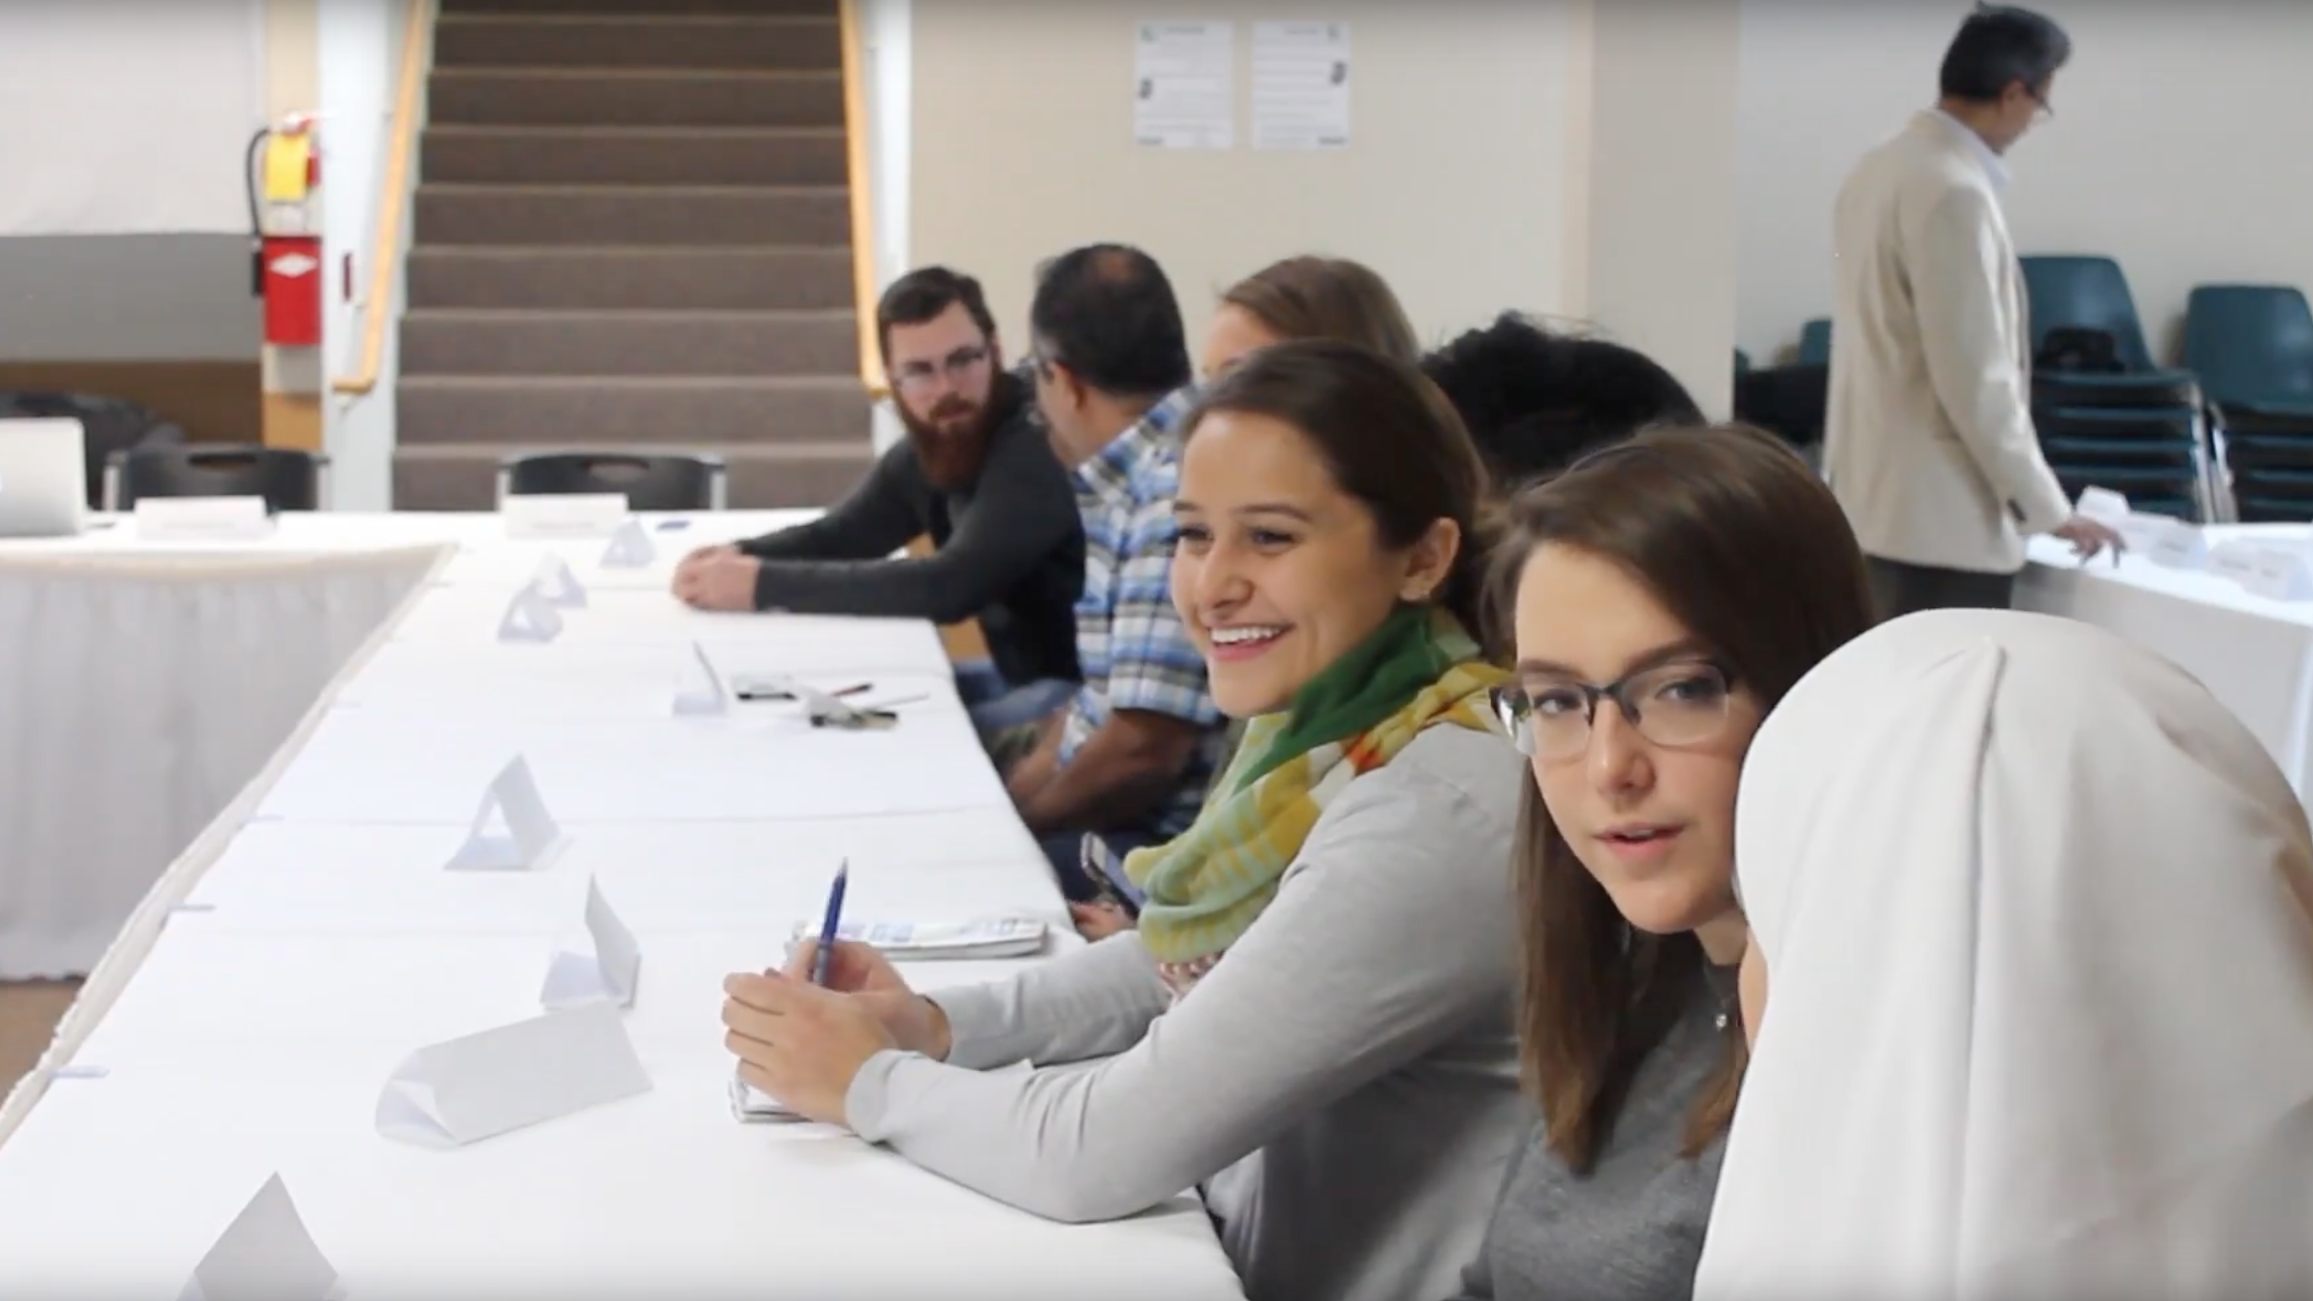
{"type": "Point", "coordinates": [1127, 763]}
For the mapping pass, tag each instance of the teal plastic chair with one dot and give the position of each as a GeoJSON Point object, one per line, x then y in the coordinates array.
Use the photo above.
{"type": "Point", "coordinates": [2085, 293]}
{"type": "Point", "coordinates": [2252, 346]}
{"type": "Point", "coordinates": [1815, 342]}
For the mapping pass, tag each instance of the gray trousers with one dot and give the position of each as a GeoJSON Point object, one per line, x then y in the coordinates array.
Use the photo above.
{"type": "Point", "coordinates": [1899, 589]}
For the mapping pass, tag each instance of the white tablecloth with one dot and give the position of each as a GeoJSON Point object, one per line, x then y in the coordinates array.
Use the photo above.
{"type": "Point", "coordinates": [246, 1020]}
{"type": "Point", "coordinates": [144, 682]}
{"type": "Point", "coordinates": [2254, 654]}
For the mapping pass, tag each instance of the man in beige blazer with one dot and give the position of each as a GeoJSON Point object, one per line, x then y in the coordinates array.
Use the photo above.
{"type": "Point", "coordinates": [1928, 437]}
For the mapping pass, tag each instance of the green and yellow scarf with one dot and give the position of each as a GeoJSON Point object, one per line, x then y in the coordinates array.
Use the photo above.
{"type": "Point", "coordinates": [1205, 887]}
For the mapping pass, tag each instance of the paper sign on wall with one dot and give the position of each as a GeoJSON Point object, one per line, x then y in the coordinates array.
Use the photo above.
{"type": "Point", "coordinates": [1184, 84]}
{"type": "Point", "coordinates": [1301, 85]}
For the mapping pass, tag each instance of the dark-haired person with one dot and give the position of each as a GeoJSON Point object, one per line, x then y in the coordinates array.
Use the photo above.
{"type": "Point", "coordinates": [974, 473]}
{"type": "Point", "coordinates": [1312, 1022]}
{"type": "Point", "coordinates": [1126, 762]}
{"type": "Point", "coordinates": [1534, 399]}
{"type": "Point", "coordinates": [1666, 592]}
{"type": "Point", "coordinates": [1928, 437]}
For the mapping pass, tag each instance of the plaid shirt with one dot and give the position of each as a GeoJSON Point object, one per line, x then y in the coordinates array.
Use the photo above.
{"type": "Point", "coordinates": [1130, 643]}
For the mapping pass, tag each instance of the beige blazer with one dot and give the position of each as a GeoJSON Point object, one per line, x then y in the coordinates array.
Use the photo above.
{"type": "Point", "coordinates": [1928, 438]}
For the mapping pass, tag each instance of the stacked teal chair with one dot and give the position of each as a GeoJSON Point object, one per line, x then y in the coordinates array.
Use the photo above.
{"type": "Point", "coordinates": [1815, 342]}
{"type": "Point", "coordinates": [1787, 399]}
{"type": "Point", "coordinates": [2252, 346]}
{"type": "Point", "coordinates": [2135, 428]}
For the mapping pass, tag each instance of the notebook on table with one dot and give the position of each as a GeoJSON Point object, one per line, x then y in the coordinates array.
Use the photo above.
{"type": "Point", "coordinates": [995, 937]}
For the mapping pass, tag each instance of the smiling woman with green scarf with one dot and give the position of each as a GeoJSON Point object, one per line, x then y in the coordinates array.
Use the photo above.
{"type": "Point", "coordinates": [1341, 1084]}
{"type": "Point", "coordinates": [1418, 670]}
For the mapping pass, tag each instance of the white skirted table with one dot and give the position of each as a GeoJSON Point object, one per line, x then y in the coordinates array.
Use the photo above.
{"type": "Point", "coordinates": [144, 682]}
{"type": "Point", "coordinates": [245, 1021]}
{"type": "Point", "coordinates": [2253, 653]}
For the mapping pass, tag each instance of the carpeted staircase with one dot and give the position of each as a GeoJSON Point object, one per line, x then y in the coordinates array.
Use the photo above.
{"type": "Point", "coordinates": [632, 231]}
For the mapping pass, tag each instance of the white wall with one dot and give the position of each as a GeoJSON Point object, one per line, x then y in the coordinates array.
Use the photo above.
{"type": "Point", "coordinates": [887, 35]}
{"type": "Point", "coordinates": [359, 52]}
{"type": "Point", "coordinates": [1456, 187]}
{"type": "Point", "coordinates": [2182, 144]}
{"type": "Point", "coordinates": [1657, 251]}
{"type": "Point", "coordinates": [101, 135]}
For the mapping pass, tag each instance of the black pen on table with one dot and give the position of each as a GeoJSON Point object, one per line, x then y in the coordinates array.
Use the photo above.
{"type": "Point", "coordinates": [823, 960]}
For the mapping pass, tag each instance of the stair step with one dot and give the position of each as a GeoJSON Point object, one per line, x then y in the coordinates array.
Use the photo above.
{"type": "Point", "coordinates": [642, 97]}
{"type": "Point", "coordinates": [759, 476]}
{"type": "Point", "coordinates": [659, 412]}
{"type": "Point", "coordinates": [636, 155]}
{"type": "Point", "coordinates": [616, 214]}
{"type": "Point", "coordinates": [638, 41]}
{"type": "Point", "coordinates": [762, 278]}
{"type": "Point", "coordinates": [824, 8]}
{"type": "Point", "coordinates": [740, 344]}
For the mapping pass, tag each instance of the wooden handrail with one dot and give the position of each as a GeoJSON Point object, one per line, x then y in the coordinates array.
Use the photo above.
{"type": "Point", "coordinates": [860, 168]}
{"type": "Point", "coordinates": [392, 201]}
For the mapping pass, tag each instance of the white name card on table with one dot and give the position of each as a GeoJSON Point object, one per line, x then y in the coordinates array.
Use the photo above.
{"type": "Point", "coordinates": [2280, 573]}
{"type": "Point", "coordinates": [483, 1085]}
{"type": "Point", "coordinates": [555, 581]}
{"type": "Point", "coordinates": [2236, 560]}
{"type": "Point", "coordinates": [2103, 505]}
{"type": "Point", "coordinates": [706, 693]}
{"type": "Point", "coordinates": [600, 966]}
{"type": "Point", "coordinates": [264, 1253]}
{"type": "Point", "coordinates": [530, 617]}
{"type": "Point", "coordinates": [202, 519]}
{"type": "Point", "coordinates": [2179, 545]}
{"type": "Point", "coordinates": [547, 515]}
{"type": "Point", "coordinates": [630, 547]}
{"type": "Point", "coordinates": [512, 830]}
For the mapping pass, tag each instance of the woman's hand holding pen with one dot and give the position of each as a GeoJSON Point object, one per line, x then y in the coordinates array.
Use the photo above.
{"type": "Point", "coordinates": [804, 1044]}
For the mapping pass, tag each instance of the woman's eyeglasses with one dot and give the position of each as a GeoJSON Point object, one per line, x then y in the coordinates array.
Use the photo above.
{"type": "Point", "coordinates": [1671, 705]}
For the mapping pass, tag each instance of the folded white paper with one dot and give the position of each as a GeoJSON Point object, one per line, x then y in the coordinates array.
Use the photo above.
{"type": "Point", "coordinates": [563, 515]}
{"type": "Point", "coordinates": [993, 937]}
{"type": "Point", "coordinates": [558, 584]}
{"type": "Point", "coordinates": [752, 1106]}
{"type": "Point", "coordinates": [630, 547]}
{"type": "Point", "coordinates": [2180, 545]}
{"type": "Point", "coordinates": [2103, 505]}
{"type": "Point", "coordinates": [512, 831]}
{"type": "Point", "coordinates": [202, 518]}
{"type": "Point", "coordinates": [705, 694]}
{"type": "Point", "coordinates": [2281, 573]}
{"type": "Point", "coordinates": [264, 1253]}
{"type": "Point", "coordinates": [599, 965]}
{"type": "Point", "coordinates": [487, 1084]}
{"type": "Point", "coordinates": [530, 617]}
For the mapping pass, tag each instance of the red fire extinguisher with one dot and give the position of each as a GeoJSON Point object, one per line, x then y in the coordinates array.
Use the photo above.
{"type": "Point", "coordinates": [283, 171]}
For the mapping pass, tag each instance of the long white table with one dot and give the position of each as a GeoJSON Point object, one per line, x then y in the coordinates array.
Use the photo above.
{"type": "Point", "coordinates": [2253, 654]}
{"type": "Point", "coordinates": [254, 1005]}
{"type": "Point", "coordinates": [144, 682]}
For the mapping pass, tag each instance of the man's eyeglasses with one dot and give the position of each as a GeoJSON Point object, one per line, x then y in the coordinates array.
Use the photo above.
{"type": "Point", "coordinates": [956, 366]}
{"type": "Point", "coordinates": [1671, 705]}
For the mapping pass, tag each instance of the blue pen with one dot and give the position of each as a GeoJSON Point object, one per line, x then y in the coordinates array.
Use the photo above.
{"type": "Point", "coordinates": [821, 960]}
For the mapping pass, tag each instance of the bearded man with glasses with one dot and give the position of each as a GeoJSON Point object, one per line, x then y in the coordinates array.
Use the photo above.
{"type": "Point", "coordinates": [977, 475]}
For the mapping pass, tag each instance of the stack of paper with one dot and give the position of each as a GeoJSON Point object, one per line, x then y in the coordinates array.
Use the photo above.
{"type": "Point", "coordinates": [996, 937]}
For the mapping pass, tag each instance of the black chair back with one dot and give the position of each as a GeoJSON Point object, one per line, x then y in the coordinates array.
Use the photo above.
{"type": "Point", "coordinates": [650, 481]}
{"type": "Point", "coordinates": [288, 479]}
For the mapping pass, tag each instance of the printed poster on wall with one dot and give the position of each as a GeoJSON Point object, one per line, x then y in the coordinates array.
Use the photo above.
{"type": "Point", "coordinates": [1301, 85]}
{"type": "Point", "coordinates": [1184, 77]}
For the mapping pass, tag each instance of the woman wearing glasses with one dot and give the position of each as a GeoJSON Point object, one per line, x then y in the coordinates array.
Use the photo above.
{"type": "Point", "coordinates": [1667, 591]}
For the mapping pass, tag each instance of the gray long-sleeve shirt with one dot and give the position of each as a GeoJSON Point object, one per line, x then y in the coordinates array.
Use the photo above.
{"type": "Point", "coordinates": [1631, 1229]}
{"type": "Point", "coordinates": [1009, 549]}
{"type": "Point", "coordinates": [1344, 1082]}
